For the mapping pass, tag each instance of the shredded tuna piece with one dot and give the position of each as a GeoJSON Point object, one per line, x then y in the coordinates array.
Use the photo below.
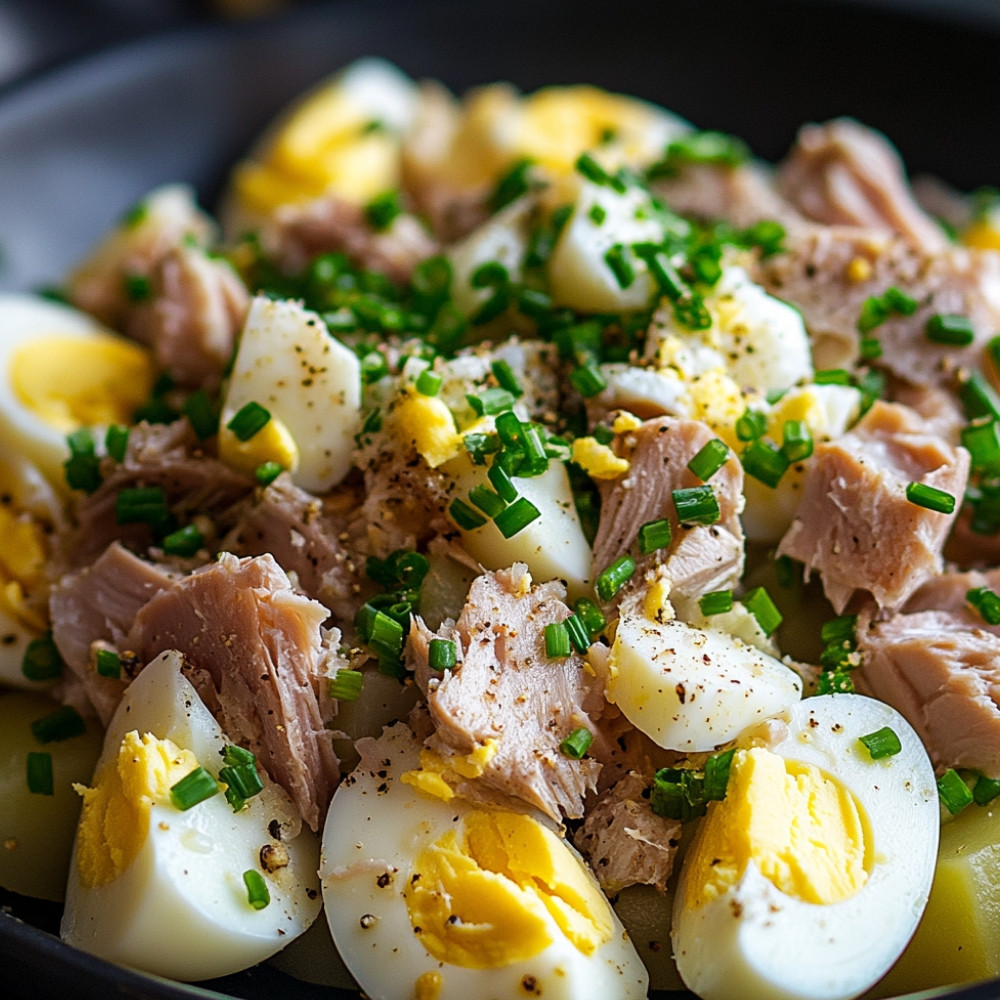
{"type": "Point", "coordinates": [854, 524]}
{"type": "Point", "coordinates": [701, 557]}
{"type": "Point", "coordinates": [843, 173]}
{"type": "Point", "coordinates": [624, 841]}
{"type": "Point", "coordinates": [504, 677]}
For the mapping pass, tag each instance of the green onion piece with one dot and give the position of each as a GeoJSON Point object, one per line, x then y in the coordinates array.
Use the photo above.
{"type": "Point", "coordinates": [382, 210]}
{"type": "Point", "coordinates": [194, 787]}
{"type": "Point", "coordinates": [709, 459]}
{"type": "Point", "coordinates": [717, 774]}
{"type": "Point", "coordinates": [832, 376]}
{"type": "Point", "coordinates": [953, 791]}
{"type": "Point", "coordinates": [267, 472]}
{"type": "Point", "coordinates": [797, 440]}
{"type": "Point", "coordinates": [978, 397]}
{"type": "Point", "coordinates": [588, 380]}
{"type": "Point", "coordinates": [257, 893]}
{"type": "Point", "coordinates": [345, 685]}
{"type": "Point", "coordinates": [840, 629]}
{"type": "Point", "coordinates": [511, 186]}
{"type": "Point", "coordinates": [696, 505]}
{"type": "Point", "coordinates": [116, 441]}
{"type": "Point", "coordinates": [491, 274]}
{"type": "Point", "coordinates": [464, 516]}
{"type": "Point", "coordinates": [986, 602]}
{"type": "Point", "coordinates": [615, 577]}
{"type": "Point", "coordinates": [107, 663]}
{"type": "Point", "coordinates": [882, 743]}
{"type": "Point", "coordinates": [509, 429]}
{"type": "Point", "coordinates": [764, 462]}
{"type": "Point", "coordinates": [480, 445]}
{"type": "Point", "coordinates": [592, 170]}
{"type": "Point", "coordinates": [515, 517]}
{"type": "Point", "coordinates": [834, 682]}
{"type": "Point", "coordinates": [899, 301]}
{"type": "Point", "coordinates": [874, 312]}
{"type": "Point", "coordinates": [502, 482]}
{"type": "Point", "coordinates": [930, 497]}
{"type": "Point", "coordinates": [993, 349]}
{"type": "Point", "coordinates": [442, 654]}
{"type": "Point", "coordinates": [137, 287]}
{"type": "Point", "coordinates": [185, 541]}
{"type": "Point", "coordinates": [751, 425]}
{"type": "Point", "coordinates": [717, 602]}
{"type": "Point", "coordinates": [619, 265]}
{"type": "Point", "coordinates": [506, 377]}
{"type": "Point", "coordinates": [597, 214]}
{"type": "Point", "coordinates": [535, 304]}
{"type": "Point", "coordinates": [201, 414]}
{"type": "Point", "coordinates": [41, 660]}
{"type": "Point", "coordinates": [373, 367]}
{"type": "Point", "coordinates": [83, 468]}
{"type": "Point", "coordinates": [39, 773]}
{"type": "Point", "coordinates": [142, 505]}
{"type": "Point", "coordinates": [577, 743]}
{"type": "Point", "coordinates": [870, 348]}
{"type": "Point", "coordinates": [591, 616]}
{"type": "Point", "coordinates": [578, 633]}
{"type": "Point", "coordinates": [678, 793]}
{"type": "Point", "coordinates": [242, 782]}
{"type": "Point", "coordinates": [249, 420]}
{"type": "Point", "coordinates": [947, 328]}
{"type": "Point", "coordinates": [985, 790]}
{"type": "Point", "coordinates": [490, 401]}
{"type": "Point", "coordinates": [386, 636]}
{"type": "Point", "coordinates": [234, 755]}
{"type": "Point", "coordinates": [428, 383]}
{"type": "Point", "coordinates": [788, 571]}
{"type": "Point", "coordinates": [557, 642]}
{"type": "Point", "coordinates": [486, 500]}
{"type": "Point", "coordinates": [62, 724]}
{"type": "Point", "coordinates": [758, 602]}
{"type": "Point", "coordinates": [982, 440]}
{"type": "Point", "coordinates": [654, 535]}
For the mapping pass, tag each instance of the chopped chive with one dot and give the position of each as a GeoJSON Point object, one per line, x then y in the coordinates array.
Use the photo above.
{"type": "Point", "coordinates": [464, 516]}
{"type": "Point", "coordinates": [345, 685]}
{"type": "Point", "coordinates": [83, 468]}
{"type": "Point", "coordinates": [428, 383]}
{"type": "Point", "coordinates": [796, 440]}
{"type": "Point", "coordinates": [717, 774]}
{"type": "Point", "coordinates": [201, 414]}
{"type": "Point", "coordinates": [257, 892]}
{"type": "Point", "coordinates": [953, 791]}
{"type": "Point", "coordinates": [62, 724]}
{"type": "Point", "coordinates": [184, 541]}
{"type": "Point", "coordinates": [486, 500]}
{"type": "Point", "coordinates": [107, 663]}
{"type": "Point", "coordinates": [442, 654]}
{"type": "Point", "coordinates": [716, 602]}
{"type": "Point", "coordinates": [882, 743]}
{"type": "Point", "coordinates": [382, 210]}
{"type": "Point", "coordinates": [874, 312]}
{"type": "Point", "coordinates": [678, 793]}
{"type": "Point", "coordinates": [41, 660]}
{"type": "Point", "coordinates": [982, 441]}
{"type": "Point", "coordinates": [597, 214]}
{"type": "Point", "coordinates": [764, 462]}
{"type": "Point", "coordinates": [386, 635]}
{"type": "Point", "coordinates": [490, 401]}
{"type": "Point", "coordinates": [142, 505]}
{"type": "Point", "coordinates": [993, 349]}
{"type": "Point", "coordinates": [517, 516]}
{"type": "Point", "coordinates": [242, 782]}
{"type": "Point", "coordinates": [577, 743]}
{"type": "Point", "coordinates": [985, 790]}
{"type": "Point", "coordinates": [39, 773]}
{"type": "Point", "coordinates": [194, 787]}
{"type": "Point", "coordinates": [502, 482]}
{"type": "Point", "coordinates": [591, 616]}
{"type": "Point", "coordinates": [534, 303]}
{"type": "Point", "coordinates": [948, 328]}
{"type": "Point", "coordinates": [751, 425]}
{"type": "Point", "coordinates": [986, 602]}
{"type": "Point", "coordinates": [249, 420]}
{"type": "Point", "coordinates": [709, 459]}
{"type": "Point", "coordinates": [116, 441]}
{"type": "Point", "coordinates": [788, 571]}
{"type": "Point", "coordinates": [978, 397]}
{"type": "Point", "coordinates": [588, 380]}
{"type": "Point", "coordinates": [480, 445]}
{"type": "Point", "coordinates": [696, 505]}
{"type": "Point", "coordinates": [137, 287]}
{"type": "Point", "coordinates": [930, 497]}
{"type": "Point", "coordinates": [654, 535]}
{"type": "Point", "coordinates": [758, 602]}
{"type": "Point", "coordinates": [578, 633]}
{"type": "Point", "coordinates": [611, 580]}
{"type": "Point", "coordinates": [509, 428]}
{"type": "Point", "coordinates": [619, 265]}
{"type": "Point", "coordinates": [233, 755]}
{"type": "Point", "coordinates": [506, 377]}
{"type": "Point", "coordinates": [870, 348]}
{"type": "Point", "coordinates": [834, 682]}
{"type": "Point", "coordinates": [267, 472]}
{"type": "Point", "coordinates": [373, 367]}
{"type": "Point", "coordinates": [592, 170]}
{"type": "Point", "coordinates": [840, 629]}
{"type": "Point", "coordinates": [511, 186]}
{"type": "Point", "coordinates": [557, 641]}
{"type": "Point", "coordinates": [899, 301]}
{"type": "Point", "coordinates": [832, 376]}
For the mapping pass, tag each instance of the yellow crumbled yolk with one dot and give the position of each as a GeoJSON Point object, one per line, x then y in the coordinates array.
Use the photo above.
{"type": "Point", "coordinates": [803, 830]}
{"type": "Point", "coordinates": [983, 234]}
{"type": "Point", "coordinates": [717, 401]}
{"type": "Point", "coordinates": [428, 986]}
{"type": "Point", "coordinates": [272, 443]}
{"type": "Point", "coordinates": [114, 820]}
{"type": "Point", "coordinates": [803, 406]}
{"type": "Point", "coordinates": [427, 422]}
{"type": "Point", "coordinates": [74, 381]}
{"type": "Point", "coordinates": [625, 422]}
{"type": "Point", "coordinates": [22, 565]}
{"type": "Point", "coordinates": [488, 895]}
{"type": "Point", "coordinates": [598, 459]}
{"type": "Point", "coordinates": [656, 604]}
{"type": "Point", "coordinates": [434, 771]}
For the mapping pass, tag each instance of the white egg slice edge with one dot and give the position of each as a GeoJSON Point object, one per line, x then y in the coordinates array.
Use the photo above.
{"type": "Point", "coordinates": [180, 909]}
{"type": "Point", "coordinates": [757, 942]}
{"type": "Point", "coordinates": [374, 826]}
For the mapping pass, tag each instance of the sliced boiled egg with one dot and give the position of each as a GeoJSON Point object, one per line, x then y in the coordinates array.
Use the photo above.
{"type": "Point", "coordinates": [807, 880]}
{"type": "Point", "coordinates": [449, 900]}
{"type": "Point", "coordinates": [164, 889]}
{"type": "Point", "coordinates": [61, 370]}
{"type": "Point", "coordinates": [693, 689]}
{"type": "Point", "coordinates": [308, 384]}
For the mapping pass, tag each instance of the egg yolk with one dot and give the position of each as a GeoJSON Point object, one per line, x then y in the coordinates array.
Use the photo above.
{"type": "Point", "coordinates": [490, 895]}
{"type": "Point", "coordinates": [599, 460]}
{"type": "Point", "coordinates": [74, 381]}
{"type": "Point", "coordinates": [427, 422]}
{"type": "Point", "coordinates": [272, 443]}
{"type": "Point", "coordinates": [803, 829]}
{"type": "Point", "coordinates": [114, 820]}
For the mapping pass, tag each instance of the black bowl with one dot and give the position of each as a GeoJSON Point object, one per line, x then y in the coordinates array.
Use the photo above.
{"type": "Point", "coordinates": [79, 145]}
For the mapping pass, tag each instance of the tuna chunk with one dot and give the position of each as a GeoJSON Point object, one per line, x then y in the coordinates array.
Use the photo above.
{"type": "Point", "coordinates": [854, 524]}
{"type": "Point", "coordinates": [943, 674]}
{"type": "Point", "coordinates": [624, 841]}
{"type": "Point", "coordinates": [257, 657]}
{"type": "Point", "coordinates": [701, 557]}
{"type": "Point", "coordinates": [501, 714]}
{"type": "Point", "coordinates": [843, 173]}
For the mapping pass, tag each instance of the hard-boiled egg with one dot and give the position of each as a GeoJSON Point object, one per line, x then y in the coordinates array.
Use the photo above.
{"type": "Point", "coordinates": [161, 888]}
{"type": "Point", "coordinates": [693, 689]}
{"type": "Point", "coordinates": [310, 386]}
{"type": "Point", "coordinates": [809, 877]}
{"type": "Point", "coordinates": [427, 898]}
{"type": "Point", "coordinates": [61, 370]}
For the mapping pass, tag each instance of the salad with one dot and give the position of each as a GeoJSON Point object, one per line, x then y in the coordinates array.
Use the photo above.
{"type": "Point", "coordinates": [525, 536]}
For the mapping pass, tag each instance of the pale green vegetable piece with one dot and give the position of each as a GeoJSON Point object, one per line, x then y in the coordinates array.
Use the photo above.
{"type": "Point", "coordinates": [36, 831]}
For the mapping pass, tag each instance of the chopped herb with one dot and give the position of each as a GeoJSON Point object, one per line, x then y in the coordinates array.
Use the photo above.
{"type": "Point", "coordinates": [83, 467]}
{"type": "Point", "coordinates": [267, 472]}
{"type": "Point", "coordinates": [196, 786]}
{"type": "Point", "coordinates": [486, 500]}
{"type": "Point", "coordinates": [588, 380]}
{"type": "Point", "coordinates": [985, 790]}
{"type": "Point", "coordinates": [442, 654]}
{"type": "Point", "coordinates": [751, 425]}
{"type": "Point", "coordinates": [758, 602]}
{"type": "Point", "coordinates": [944, 328]}
{"type": "Point", "coordinates": [257, 892]}
{"type": "Point", "coordinates": [764, 462]}
{"type": "Point", "coordinates": [696, 505]}
{"type": "Point", "coordinates": [506, 377]}
{"type": "Point", "coordinates": [986, 602]}
{"type": "Point", "coordinates": [717, 774]}
{"type": "Point", "coordinates": [591, 616]}
{"type": "Point", "coordinates": [797, 440]}
{"type": "Point", "coordinates": [709, 459]}
{"type": "Point", "coordinates": [654, 535]}
{"type": "Point", "coordinates": [39, 773]}
{"type": "Point", "coordinates": [982, 440]}
{"type": "Point", "coordinates": [510, 187]}
{"type": "Point", "coordinates": [41, 660]}
{"type": "Point", "coordinates": [116, 441]}
{"type": "Point", "coordinates": [882, 743]}
{"type": "Point", "coordinates": [953, 791]}
{"type": "Point", "coordinates": [346, 685]}
{"type": "Point", "coordinates": [611, 580]}
{"type": "Point", "coordinates": [557, 642]}
{"type": "Point", "coordinates": [107, 663]}
{"type": "Point", "coordinates": [517, 516]}
{"type": "Point", "coordinates": [577, 743]}
{"type": "Point", "coordinates": [248, 421]}
{"type": "Point", "coordinates": [717, 602]}
{"type": "Point", "coordinates": [930, 497]}
{"type": "Point", "coordinates": [62, 724]}
{"type": "Point", "coordinates": [490, 402]}
{"type": "Point", "coordinates": [428, 383]}
{"type": "Point", "coordinates": [383, 210]}
{"type": "Point", "coordinates": [619, 265]}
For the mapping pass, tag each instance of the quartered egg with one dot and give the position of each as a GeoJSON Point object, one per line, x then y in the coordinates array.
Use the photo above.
{"type": "Point", "coordinates": [161, 888]}
{"type": "Point", "coordinates": [809, 877]}
{"type": "Point", "coordinates": [449, 900]}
